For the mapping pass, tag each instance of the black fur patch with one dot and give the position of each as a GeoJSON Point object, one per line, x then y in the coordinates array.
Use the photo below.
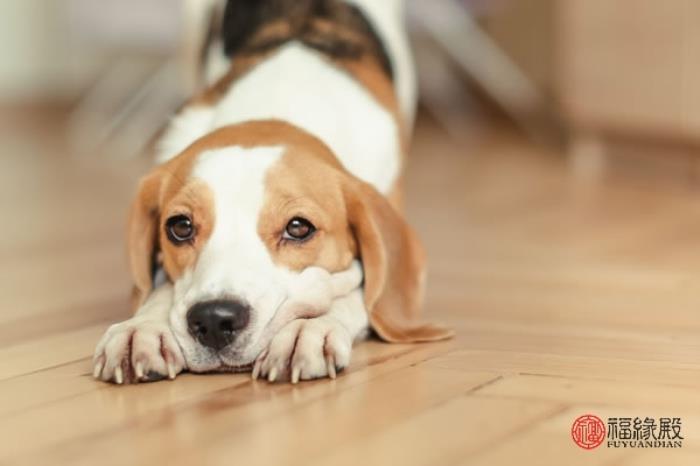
{"type": "Point", "coordinates": [244, 18]}
{"type": "Point", "coordinates": [369, 30]}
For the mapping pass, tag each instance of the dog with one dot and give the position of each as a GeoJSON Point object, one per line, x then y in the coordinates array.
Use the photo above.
{"type": "Point", "coordinates": [269, 236]}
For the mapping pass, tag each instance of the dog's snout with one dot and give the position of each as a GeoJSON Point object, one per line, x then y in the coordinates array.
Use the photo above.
{"type": "Point", "coordinates": [215, 324]}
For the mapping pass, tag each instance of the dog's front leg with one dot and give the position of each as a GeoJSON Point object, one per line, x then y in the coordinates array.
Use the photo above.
{"type": "Point", "coordinates": [318, 347]}
{"type": "Point", "coordinates": [143, 348]}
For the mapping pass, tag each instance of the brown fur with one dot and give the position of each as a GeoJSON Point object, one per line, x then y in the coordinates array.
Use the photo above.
{"type": "Point", "coordinates": [142, 236]}
{"type": "Point", "coordinates": [195, 200]}
{"type": "Point", "coordinates": [305, 183]}
{"type": "Point", "coordinates": [394, 265]}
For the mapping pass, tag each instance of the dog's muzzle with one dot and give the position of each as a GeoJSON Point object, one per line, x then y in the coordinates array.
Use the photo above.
{"type": "Point", "coordinates": [216, 324]}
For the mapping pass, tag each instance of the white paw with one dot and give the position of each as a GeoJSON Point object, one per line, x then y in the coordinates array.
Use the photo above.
{"type": "Point", "coordinates": [313, 291]}
{"type": "Point", "coordinates": [305, 349]}
{"type": "Point", "coordinates": [137, 350]}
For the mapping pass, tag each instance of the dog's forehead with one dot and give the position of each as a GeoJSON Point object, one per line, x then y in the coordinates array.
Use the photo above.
{"type": "Point", "coordinates": [242, 165]}
{"type": "Point", "coordinates": [237, 173]}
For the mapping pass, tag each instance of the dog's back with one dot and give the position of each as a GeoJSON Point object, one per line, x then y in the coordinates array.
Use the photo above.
{"type": "Point", "coordinates": [339, 70]}
{"type": "Point", "coordinates": [236, 22]}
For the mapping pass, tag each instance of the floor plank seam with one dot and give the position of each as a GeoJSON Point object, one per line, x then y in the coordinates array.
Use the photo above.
{"type": "Point", "coordinates": [605, 379]}
{"type": "Point", "coordinates": [484, 385]}
{"type": "Point", "coordinates": [48, 368]}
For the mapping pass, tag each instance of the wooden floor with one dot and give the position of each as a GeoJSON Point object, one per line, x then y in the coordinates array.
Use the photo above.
{"type": "Point", "coordinates": [568, 298]}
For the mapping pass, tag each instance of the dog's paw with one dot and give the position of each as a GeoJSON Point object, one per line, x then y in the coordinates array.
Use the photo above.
{"type": "Point", "coordinates": [305, 349]}
{"type": "Point", "coordinates": [137, 350]}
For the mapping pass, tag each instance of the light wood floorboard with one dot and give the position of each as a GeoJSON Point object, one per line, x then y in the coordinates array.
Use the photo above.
{"type": "Point", "coordinates": [568, 298]}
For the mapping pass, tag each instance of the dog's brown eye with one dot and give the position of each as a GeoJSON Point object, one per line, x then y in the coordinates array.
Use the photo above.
{"type": "Point", "coordinates": [179, 229]}
{"type": "Point", "coordinates": [299, 229]}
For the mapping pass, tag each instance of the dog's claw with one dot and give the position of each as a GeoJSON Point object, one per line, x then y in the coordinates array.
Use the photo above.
{"type": "Point", "coordinates": [118, 375]}
{"type": "Point", "coordinates": [138, 370]}
{"type": "Point", "coordinates": [296, 373]}
{"type": "Point", "coordinates": [330, 364]}
{"type": "Point", "coordinates": [97, 370]}
{"type": "Point", "coordinates": [171, 370]}
{"type": "Point", "coordinates": [256, 369]}
{"type": "Point", "coordinates": [272, 375]}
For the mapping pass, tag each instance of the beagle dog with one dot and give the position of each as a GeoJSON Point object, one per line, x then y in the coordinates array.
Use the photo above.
{"type": "Point", "coordinates": [269, 237]}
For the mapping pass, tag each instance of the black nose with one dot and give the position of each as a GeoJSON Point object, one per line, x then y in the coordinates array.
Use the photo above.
{"type": "Point", "coordinates": [215, 323]}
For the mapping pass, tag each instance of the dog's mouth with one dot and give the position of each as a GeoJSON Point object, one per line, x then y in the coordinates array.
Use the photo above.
{"type": "Point", "coordinates": [227, 368]}
{"type": "Point", "coordinates": [224, 368]}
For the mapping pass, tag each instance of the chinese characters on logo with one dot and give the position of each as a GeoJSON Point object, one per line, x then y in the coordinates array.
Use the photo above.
{"type": "Point", "coordinates": [626, 432]}
{"type": "Point", "coordinates": [589, 432]}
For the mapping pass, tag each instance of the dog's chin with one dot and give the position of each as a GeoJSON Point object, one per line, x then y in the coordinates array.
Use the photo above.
{"type": "Point", "coordinates": [234, 369]}
{"type": "Point", "coordinates": [204, 360]}
{"type": "Point", "coordinates": [236, 364]}
{"type": "Point", "coordinates": [200, 359]}
{"type": "Point", "coordinates": [220, 365]}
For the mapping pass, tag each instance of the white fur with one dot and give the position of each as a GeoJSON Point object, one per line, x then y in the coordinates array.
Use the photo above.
{"type": "Point", "coordinates": [300, 86]}
{"type": "Point", "coordinates": [311, 348]}
{"type": "Point", "coordinates": [133, 350]}
{"type": "Point", "coordinates": [234, 262]}
{"type": "Point", "coordinates": [143, 347]}
{"type": "Point", "coordinates": [186, 127]}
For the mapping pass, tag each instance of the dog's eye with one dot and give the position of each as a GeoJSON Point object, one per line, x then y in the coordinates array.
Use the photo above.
{"type": "Point", "coordinates": [179, 229]}
{"type": "Point", "coordinates": [298, 229]}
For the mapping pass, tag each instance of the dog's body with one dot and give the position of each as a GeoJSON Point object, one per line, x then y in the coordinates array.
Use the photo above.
{"type": "Point", "coordinates": [321, 87]}
{"type": "Point", "coordinates": [271, 183]}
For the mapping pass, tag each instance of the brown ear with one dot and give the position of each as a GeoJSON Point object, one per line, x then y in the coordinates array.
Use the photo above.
{"type": "Point", "coordinates": [142, 236]}
{"type": "Point", "coordinates": [394, 265]}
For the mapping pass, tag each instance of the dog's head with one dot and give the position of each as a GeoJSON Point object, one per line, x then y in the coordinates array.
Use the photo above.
{"type": "Point", "coordinates": [239, 214]}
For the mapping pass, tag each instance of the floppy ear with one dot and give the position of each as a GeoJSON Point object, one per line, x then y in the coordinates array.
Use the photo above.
{"type": "Point", "coordinates": [394, 266]}
{"type": "Point", "coordinates": [142, 236]}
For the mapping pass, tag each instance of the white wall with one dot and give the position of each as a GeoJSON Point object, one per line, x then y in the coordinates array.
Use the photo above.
{"type": "Point", "coordinates": [29, 48]}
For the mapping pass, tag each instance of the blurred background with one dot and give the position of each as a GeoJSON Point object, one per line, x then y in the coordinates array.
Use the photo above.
{"type": "Point", "coordinates": [587, 74]}
{"type": "Point", "coordinates": [593, 77]}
